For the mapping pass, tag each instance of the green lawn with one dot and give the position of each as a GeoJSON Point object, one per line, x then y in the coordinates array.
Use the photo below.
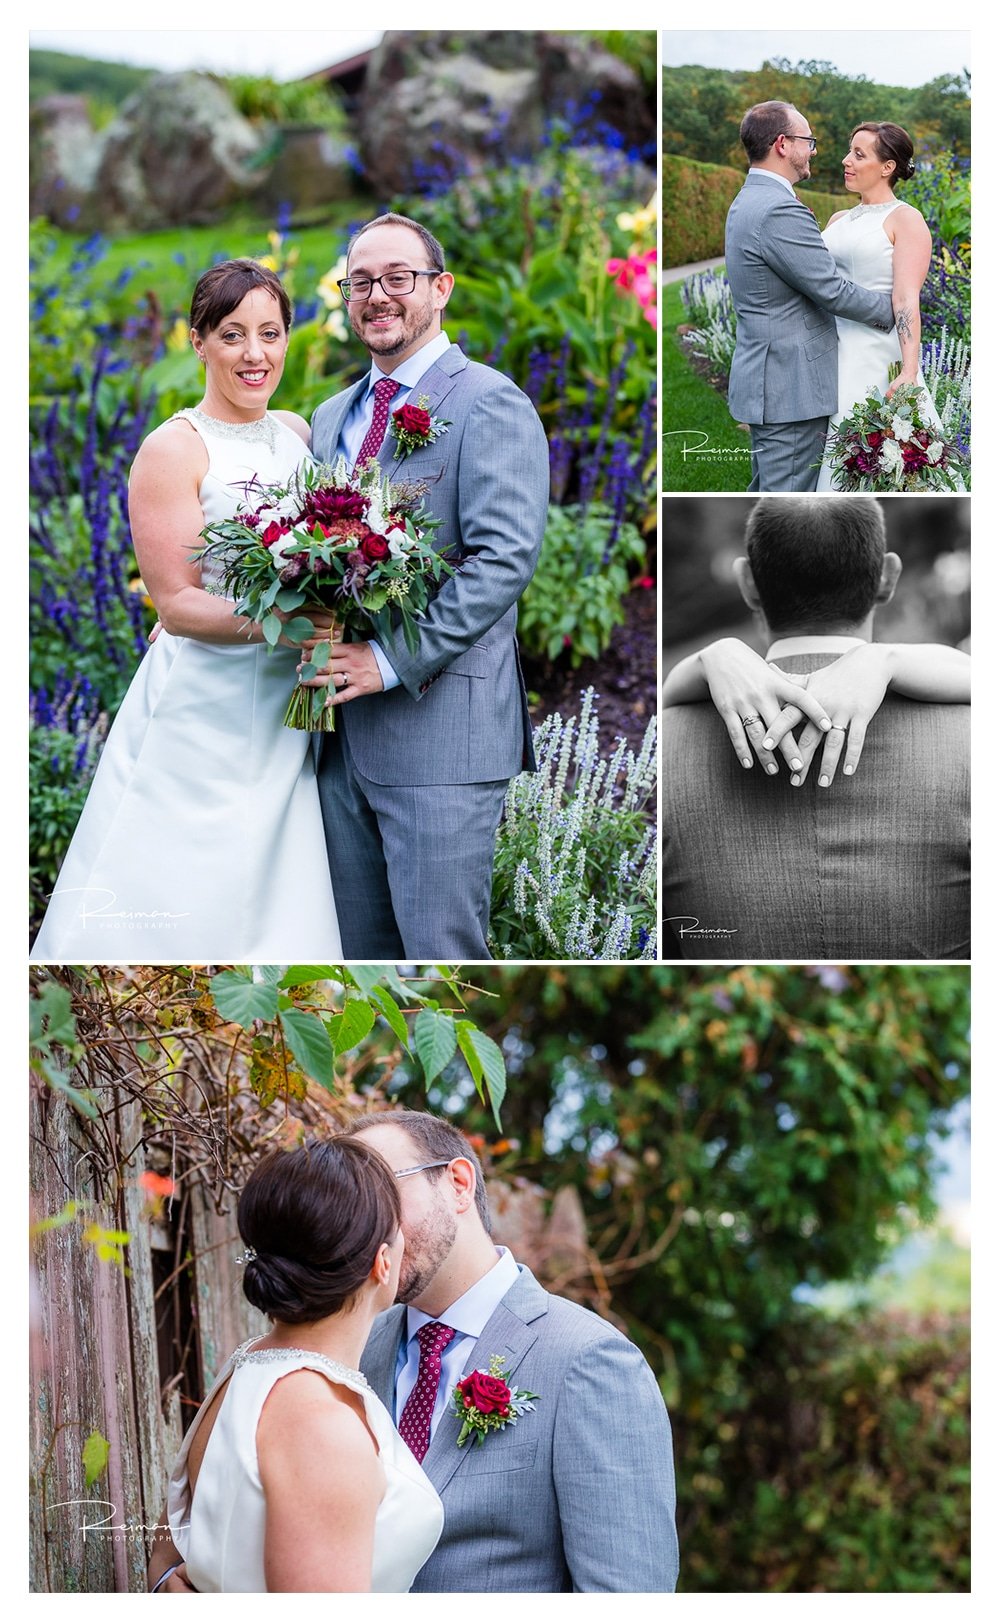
{"type": "Point", "coordinates": [696, 415]}
{"type": "Point", "coordinates": [170, 262]}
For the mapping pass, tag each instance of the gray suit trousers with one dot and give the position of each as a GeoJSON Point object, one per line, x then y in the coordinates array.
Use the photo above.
{"type": "Point", "coordinates": [412, 866]}
{"type": "Point", "coordinates": [786, 456]}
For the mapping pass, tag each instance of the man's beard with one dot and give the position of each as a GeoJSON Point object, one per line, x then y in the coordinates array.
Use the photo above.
{"type": "Point", "coordinates": [413, 325]}
{"type": "Point", "coordinates": [424, 1252]}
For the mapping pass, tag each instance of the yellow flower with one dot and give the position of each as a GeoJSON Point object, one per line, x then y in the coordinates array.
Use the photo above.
{"type": "Point", "coordinates": [268, 261]}
{"type": "Point", "coordinates": [274, 238]}
{"type": "Point", "coordinates": [327, 287]}
{"type": "Point", "coordinates": [336, 325]}
{"type": "Point", "coordinates": [177, 338]}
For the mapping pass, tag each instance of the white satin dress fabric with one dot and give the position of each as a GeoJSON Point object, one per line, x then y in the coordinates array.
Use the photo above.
{"type": "Point", "coordinates": [220, 1531]}
{"type": "Point", "coordinates": [202, 839]}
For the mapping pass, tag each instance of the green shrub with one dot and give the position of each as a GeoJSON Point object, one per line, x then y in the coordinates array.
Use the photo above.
{"type": "Point", "coordinates": [846, 1467]}
{"type": "Point", "coordinates": [575, 598]}
{"type": "Point", "coordinates": [696, 199]}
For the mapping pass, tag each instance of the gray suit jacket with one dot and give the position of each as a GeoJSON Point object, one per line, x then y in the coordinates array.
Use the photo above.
{"type": "Point", "coordinates": [874, 867]}
{"type": "Point", "coordinates": [787, 290]}
{"type": "Point", "coordinates": [579, 1494]}
{"type": "Point", "coordinates": [460, 714]}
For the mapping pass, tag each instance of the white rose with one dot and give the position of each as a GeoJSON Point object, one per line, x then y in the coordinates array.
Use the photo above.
{"type": "Point", "coordinates": [398, 542]}
{"type": "Point", "coordinates": [935, 451]}
{"type": "Point", "coordinates": [902, 428]}
{"type": "Point", "coordinates": [890, 457]}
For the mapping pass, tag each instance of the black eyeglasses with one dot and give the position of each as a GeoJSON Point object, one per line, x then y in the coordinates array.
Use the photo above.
{"type": "Point", "coordinates": [391, 282]}
{"type": "Point", "coordinates": [789, 137]}
{"type": "Point", "coordinates": [408, 1171]}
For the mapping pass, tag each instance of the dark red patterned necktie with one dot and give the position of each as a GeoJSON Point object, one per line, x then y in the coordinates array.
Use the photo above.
{"type": "Point", "coordinates": [385, 388]}
{"type": "Point", "coordinates": [418, 1410]}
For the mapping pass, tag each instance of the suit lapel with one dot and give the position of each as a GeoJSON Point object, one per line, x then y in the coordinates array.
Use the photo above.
{"type": "Point", "coordinates": [379, 1359]}
{"type": "Point", "coordinates": [436, 383]}
{"type": "Point", "coordinates": [338, 412]}
{"type": "Point", "coordinates": [511, 1331]}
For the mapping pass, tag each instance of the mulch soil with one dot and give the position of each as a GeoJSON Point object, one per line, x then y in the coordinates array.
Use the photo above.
{"type": "Point", "coordinates": [624, 678]}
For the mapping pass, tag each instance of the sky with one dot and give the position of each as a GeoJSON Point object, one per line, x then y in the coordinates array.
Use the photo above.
{"type": "Point", "coordinates": [279, 53]}
{"type": "Point", "coordinates": [896, 58]}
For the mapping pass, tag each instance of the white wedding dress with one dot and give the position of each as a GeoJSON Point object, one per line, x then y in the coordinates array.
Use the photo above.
{"type": "Point", "coordinates": [201, 839]}
{"type": "Point", "coordinates": [863, 254]}
{"type": "Point", "coordinates": [220, 1532]}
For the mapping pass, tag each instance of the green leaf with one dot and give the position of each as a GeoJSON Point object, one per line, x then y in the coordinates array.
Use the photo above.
{"type": "Point", "coordinates": [486, 1062]}
{"type": "Point", "coordinates": [95, 1457]}
{"type": "Point", "coordinates": [351, 1027]}
{"type": "Point", "coordinates": [309, 1041]}
{"type": "Point", "coordinates": [239, 998]}
{"type": "Point", "coordinates": [448, 976]}
{"type": "Point", "coordinates": [368, 976]}
{"type": "Point", "coordinates": [434, 1039]}
{"type": "Point", "coordinates": [84, 1102]}
{"type": "Point", "coordinates": [52, 1016]}
{"type": "Point", "coordinates": [393, 1013]}
{"type": "Point", "coordinates": [307, 974]}
{"type": "Point", "coordinates": [294, 630]}
{"type": "Point", "coordinates": [272, 629]}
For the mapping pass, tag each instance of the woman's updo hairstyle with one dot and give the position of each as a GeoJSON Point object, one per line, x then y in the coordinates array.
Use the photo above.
{"type": "Point", "coordinates": [315, 1216]}
{"type": "Point", "coordinates": [892, 142]}
{"type": "Point", "coordinates": [222, 288]}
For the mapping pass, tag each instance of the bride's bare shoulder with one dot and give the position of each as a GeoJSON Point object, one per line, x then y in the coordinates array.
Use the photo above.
{"type": "Point", "coordinates": [175, 446]}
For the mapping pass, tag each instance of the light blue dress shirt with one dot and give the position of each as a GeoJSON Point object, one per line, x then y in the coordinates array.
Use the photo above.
{"type": "Point", "coordinates": [468, 1317]}
{"type": "Point", "coordinates": [358, 421]}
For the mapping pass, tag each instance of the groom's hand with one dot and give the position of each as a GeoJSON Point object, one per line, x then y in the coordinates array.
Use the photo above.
{"type": "Point", "coordinates": [352, 673]}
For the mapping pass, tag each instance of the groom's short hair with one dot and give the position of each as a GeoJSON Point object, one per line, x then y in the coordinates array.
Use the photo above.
{"type": "Point", "coordinates": [436, 1140]}
{"type": "Point", "coordinates": [816, 560]}
{"type": "Point", "coordinates": [761, 127]}
{"type": "Point", "coordinates": [435, 252]}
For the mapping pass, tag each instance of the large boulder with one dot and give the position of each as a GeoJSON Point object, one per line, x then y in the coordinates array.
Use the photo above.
{"type": "Point", "coordinates": [63, 154]}
{"type": "Point", "coordinates": [310, 167]}
{"type": "Point", "coordinates": [177, 154]}
{"type": "Point", "coordinates": [436, 105]}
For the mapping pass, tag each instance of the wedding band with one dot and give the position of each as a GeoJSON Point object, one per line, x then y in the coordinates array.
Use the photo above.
{"type": "Point", "coordinates": [835, 727]}
{"type": "Point", "coordinates": [748, 721]}
{"type": "Point", "coordinates": [344, 679]}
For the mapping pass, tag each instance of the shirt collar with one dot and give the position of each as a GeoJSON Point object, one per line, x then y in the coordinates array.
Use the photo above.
{"type": "Point", "coordinates": [472, 1312]}
{"type": "Point", "coordinates": [413, 368]}
{"type": "Point", "coordinates": [812, 645]}
{"type": "Point", "coordinates": [781, 179]}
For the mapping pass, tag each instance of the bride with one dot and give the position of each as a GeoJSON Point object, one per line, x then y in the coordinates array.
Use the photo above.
{"type": "Point", "coordinates": [201, 838]}
{"type": "Point", "coordinates": [883, 244]}
{"type": "Point", "coordinates": [292, 1477]}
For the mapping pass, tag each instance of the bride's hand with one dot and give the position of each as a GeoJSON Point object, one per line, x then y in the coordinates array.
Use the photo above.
{"type": "Point", "coordinates": [899, 382]}
{"type": "Point", "coordinates": [325, 629]}
{"type": "Point", "coordinates": [759, 704]}
{"type": "Point", "coordinates": [852, 688]}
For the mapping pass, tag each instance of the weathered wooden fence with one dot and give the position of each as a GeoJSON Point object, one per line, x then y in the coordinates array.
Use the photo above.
{"type": "Point", "coordinates": [103, 1329]}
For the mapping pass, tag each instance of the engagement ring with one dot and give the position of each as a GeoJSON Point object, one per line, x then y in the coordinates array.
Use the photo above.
{"type": "Point", "coordinates": [748, 721]}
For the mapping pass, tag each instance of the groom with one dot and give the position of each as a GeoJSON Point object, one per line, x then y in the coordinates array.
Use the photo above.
{"type": "Point", "coordinates": [873, 866]}
{"type": "Point", "coordinates": [579, 1493]}
{"type": "Point", "coordinates": [787, 291]}
{"type": "Point", "coordinates": [412, 782]}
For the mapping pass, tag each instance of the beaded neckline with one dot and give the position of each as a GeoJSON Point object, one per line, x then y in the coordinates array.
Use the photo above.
{"type": "Point", "coordinates": [872, 208]}
{"type": "Point", "coordinates": [259, 431]}
{"type": "Point", "coordinates": [270, 1355]}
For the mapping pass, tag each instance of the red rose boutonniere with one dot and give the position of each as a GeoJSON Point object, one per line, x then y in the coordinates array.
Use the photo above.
{"type": "Point", "coordinates": [484, 1402]}
{"type": "Point", "coordinates": [413, 427]}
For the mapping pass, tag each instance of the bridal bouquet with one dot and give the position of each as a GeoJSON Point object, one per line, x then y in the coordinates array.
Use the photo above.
{"type": "Point", "coordinates": [355, 546]}
{"type": "Point", "coordinates": [893, 445]}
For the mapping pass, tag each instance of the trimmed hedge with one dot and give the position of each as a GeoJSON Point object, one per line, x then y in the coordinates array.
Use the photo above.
{"type": "Point", "coordinates": [846, 1469]}
{"type": "Point", "coordinates": [696, 199]}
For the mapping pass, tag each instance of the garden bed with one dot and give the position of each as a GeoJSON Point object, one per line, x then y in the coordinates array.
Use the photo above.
{"type": "Point", "coordinates": [624, 678]}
